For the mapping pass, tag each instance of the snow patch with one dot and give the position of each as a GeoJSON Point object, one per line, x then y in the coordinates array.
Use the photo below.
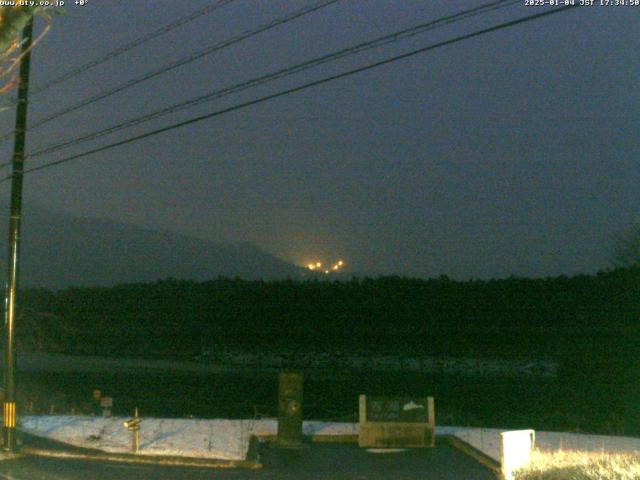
{"type": "Point", "coordinates": [229, 439]}
{"type": "Point", "coordinates": [219, 439]}
{"type": "Point", "coordinates": [197, 438]}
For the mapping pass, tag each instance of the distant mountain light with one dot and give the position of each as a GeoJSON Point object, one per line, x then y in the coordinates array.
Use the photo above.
{"type": "Point", "coordinates": [333, 269]}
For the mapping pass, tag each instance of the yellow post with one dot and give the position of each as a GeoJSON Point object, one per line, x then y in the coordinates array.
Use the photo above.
{"type": "Point", "coordinates": [134, 447]}
{"type": "Point", "coordinates": [135, 433]}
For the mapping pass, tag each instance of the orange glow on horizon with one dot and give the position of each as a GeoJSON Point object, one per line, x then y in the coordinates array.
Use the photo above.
{"type": "Point", "coordinates": [318, 266]}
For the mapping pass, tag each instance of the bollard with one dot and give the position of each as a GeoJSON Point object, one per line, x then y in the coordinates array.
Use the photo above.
{"type": "Point", "coordinates": [516, 449]}
{"type": "Point", "coordinates": [95, 404]}
{"type": "Point", "coordinates": [290, 410]}
{"type": "Point", "coordinates": [133, 425]}
{"type": "Point", "coordinates": [134, 442]}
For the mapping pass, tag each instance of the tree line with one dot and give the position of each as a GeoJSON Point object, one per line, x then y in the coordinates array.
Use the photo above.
{"type": "Point", "coordinates": [179, 318]}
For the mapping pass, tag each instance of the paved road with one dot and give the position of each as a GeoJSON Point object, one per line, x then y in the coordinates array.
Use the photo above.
{"type": "Point", "coordinates": [335, 462]}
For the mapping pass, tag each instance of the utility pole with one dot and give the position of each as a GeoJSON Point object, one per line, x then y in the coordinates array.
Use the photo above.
{"type": "Point", "coordinates": [14, 241]}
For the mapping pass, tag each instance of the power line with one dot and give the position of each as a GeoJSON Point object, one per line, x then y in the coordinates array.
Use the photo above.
{"type": "Point", "coordinates": [178, 63]}
{"type": "Point", "coordinates": [298, 89]}
{"type": "Point", "coordinates": [123, 49]}
{"type": "Point", "coordinates": [253, 82]}
{"type": "Point", "coordinates": [375, 43]}
{"type": "Point", "coordinates": [133, 44]}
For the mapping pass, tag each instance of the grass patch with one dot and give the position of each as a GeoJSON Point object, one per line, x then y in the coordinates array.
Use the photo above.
{"type": "Point", "coordinates": [578, 465]}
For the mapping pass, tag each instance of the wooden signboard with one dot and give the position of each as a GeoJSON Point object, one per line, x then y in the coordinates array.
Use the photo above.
{"type": "Point", "coordinates": [396, 422]}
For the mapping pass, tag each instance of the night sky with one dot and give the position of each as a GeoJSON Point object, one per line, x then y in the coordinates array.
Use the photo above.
{"type": "Point", "coordinates": [515, 152]}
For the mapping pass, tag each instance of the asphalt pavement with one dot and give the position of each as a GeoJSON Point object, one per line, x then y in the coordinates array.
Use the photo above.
{"type": "Point", "coordinates": [315, 461]}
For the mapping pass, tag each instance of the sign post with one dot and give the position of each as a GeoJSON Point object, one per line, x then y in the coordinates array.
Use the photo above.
{"type": "Point", "coordinates": [106, 404]}
{"type": "Point", "coordinates": [290, 409]}
{"type": "Point", "coordinates": [133, 425]}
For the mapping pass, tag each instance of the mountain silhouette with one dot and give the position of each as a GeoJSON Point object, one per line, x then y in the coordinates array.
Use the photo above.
{"type": "Point", "coordinates": [60, 250]}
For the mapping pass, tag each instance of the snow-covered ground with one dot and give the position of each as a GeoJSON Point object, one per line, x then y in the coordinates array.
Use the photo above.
{"type": "Point", "coordinates": [229, 439]}
{"type": "Point", "coordinates": [197, 438]}
{"type": "Point", "coordinates": [220, 439]}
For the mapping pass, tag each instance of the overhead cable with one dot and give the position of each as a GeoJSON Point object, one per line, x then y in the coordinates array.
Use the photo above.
{"type": "Point", "coordinates": [279, 74]}
{"type": "Point", "coordinates": [305, 86]}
